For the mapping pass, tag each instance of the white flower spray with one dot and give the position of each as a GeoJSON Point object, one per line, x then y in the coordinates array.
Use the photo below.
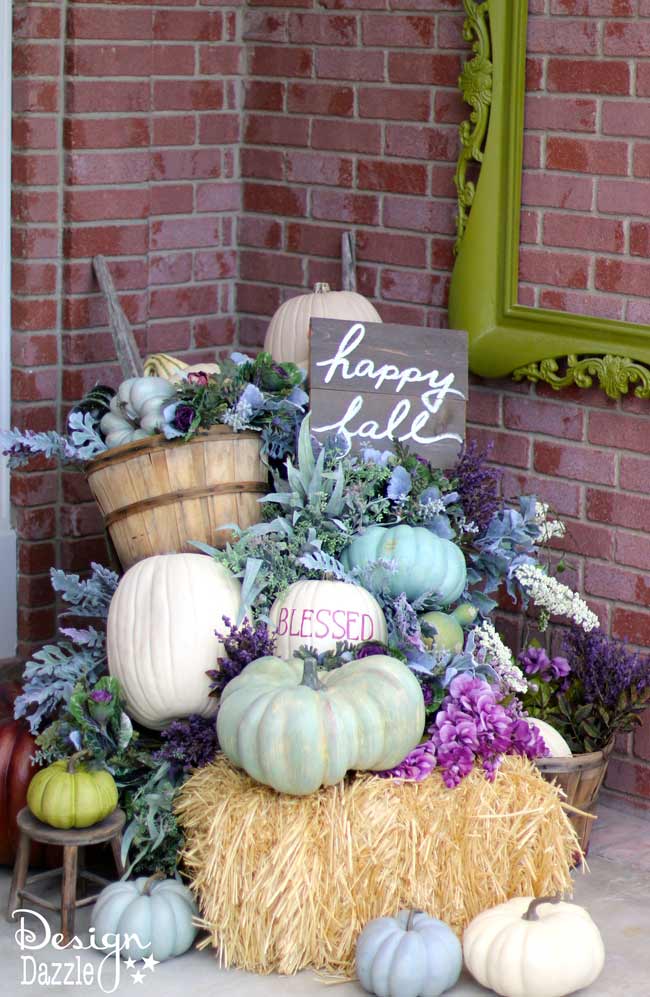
{"type": "Point", "coordinates": [496, 654]}
{"type": "Point", "coordinates": [554, 598]}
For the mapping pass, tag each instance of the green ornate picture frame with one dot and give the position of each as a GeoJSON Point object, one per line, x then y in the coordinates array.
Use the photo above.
{"type": "Point", "coordinates": [506, 338]}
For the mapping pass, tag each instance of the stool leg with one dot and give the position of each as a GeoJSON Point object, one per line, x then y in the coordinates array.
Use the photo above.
{"type": "Point", "coordinates": [68, 892]}
{"type": "Point", "coordinates": [19, 877]}
{"type": "Point", "coordinates": [116, 848]}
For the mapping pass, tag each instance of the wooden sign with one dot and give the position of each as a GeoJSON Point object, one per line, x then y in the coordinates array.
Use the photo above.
{"type": "Point", "coordinates": [372, 382]}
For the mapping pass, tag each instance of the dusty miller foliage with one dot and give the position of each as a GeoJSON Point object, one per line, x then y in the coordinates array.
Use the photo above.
{"type": "Point", "coordinates": [51, 676]}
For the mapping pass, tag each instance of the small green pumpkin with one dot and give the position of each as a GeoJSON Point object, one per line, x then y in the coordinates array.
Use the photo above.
{"type": "Point", "coordinates": [296, 729]}
{"type": "Point", "coordinates": [411, 955]}
{"type": "Point", "coordinates": [425, 562]}
{"type": "Point", "coordinates": [151, 917]}
{"type": "Point", "coordinates": [449, 635]}
{"type": "Point", "coordinates": [69, 794]}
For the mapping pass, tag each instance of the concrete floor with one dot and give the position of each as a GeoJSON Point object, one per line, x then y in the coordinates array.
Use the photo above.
{"type": "Point", "coordinates": [616, 892]}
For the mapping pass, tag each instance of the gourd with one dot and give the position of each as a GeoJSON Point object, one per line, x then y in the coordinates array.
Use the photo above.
{"type": "Point", "coordinates": [320, 613]}
{"type": "Point", "coordinates": [531, 947]}
{"type": "Point", "coordinates": [287, 337]}
{"type": "Point", "coordinates": [136, 410]}
{"type": "Point", "coordinates": [411, 955]}
{"type": "Point", "coordinates": [449, 635]}
{"type": "Point", "coordinates": [163, 365]}
{"type": "Point", "coordinates": [69, 794]}
{"type": "Point", "coordinates": [552, 738]}
{"type": "Point", "coordinates": [161, 634]}
{"type": "Point", "coordinates": [296, 729]}
{"type": "Point", "coordinates": [155, 912]}
{"type": "Point", "coordinates": [425, 562]}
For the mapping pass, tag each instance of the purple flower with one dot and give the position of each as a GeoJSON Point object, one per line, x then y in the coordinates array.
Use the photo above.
{"type": "Point", "coordinates": [241, 645]}
{"type": "Point", "coordinates": [199, 378]}
{"type": "Point", "coordinates": [188, 744]}
{"type": "Point", "coordinates": [417, 765]}
{"type": "Point", "coordinates": [183, 417]}
{"type": "Point", "coordinates": [535, 661]}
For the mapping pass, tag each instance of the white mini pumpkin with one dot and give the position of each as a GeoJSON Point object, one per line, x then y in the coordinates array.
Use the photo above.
{"type": "Point", "coordinates": [287, 337]}
{"type": "Point", "coordinates": [319, 614]}
{"type": "Point", "coordinates": [136, 410]}
{"type": "Point", "coordinates": [531, 947]}
{"type": "Point", "coordinates": [552, 738]}
{"type": "Point", "coordinates": [161, 634]}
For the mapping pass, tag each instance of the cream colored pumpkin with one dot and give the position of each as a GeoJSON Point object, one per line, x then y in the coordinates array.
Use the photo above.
{"type": "Point", "coordinates": [161, 634]}
{"type": "Point", "coordinates": [287, 337]}
{"type": "Point", "coordinates": [552, 738]}
{"type": "Point", "coordinates": [296, 729]}
{"type": "Point", "coordinates": [318, 614]}
{"type": "Point", "coordinates": [534, 948]}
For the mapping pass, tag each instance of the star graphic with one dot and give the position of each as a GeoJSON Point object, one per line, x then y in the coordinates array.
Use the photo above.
{"type": "Point", "coordinates": [150, 962]}
{"type": "Point", "coordinates": [137, 977]}
{"type": "Point", "coordinates": [129, 964]}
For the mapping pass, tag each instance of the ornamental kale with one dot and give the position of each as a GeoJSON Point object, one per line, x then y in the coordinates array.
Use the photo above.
{"type": "Point", "coordinates": [242, 644]}
{"type": "Point", "coordinates": [188, 744]}
{"type": "Point", "coordinates": [93, 721]}
{"type": "Point", "coordinates": [599, 687]}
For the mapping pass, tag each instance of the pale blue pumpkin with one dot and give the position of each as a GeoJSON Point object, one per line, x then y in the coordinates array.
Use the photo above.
{"type": "Point", "coordinates": [425, 562]}
{"type": "Point", "coordinates": [156, 913]}
{"type": "Point", "coordinates": [411, 955]}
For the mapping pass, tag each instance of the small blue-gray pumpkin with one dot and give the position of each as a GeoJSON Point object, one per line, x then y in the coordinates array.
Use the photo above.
{"type": "Point", "coordinates": [411, 955]}
{"type": "Point", "coordinates": [156, 913]}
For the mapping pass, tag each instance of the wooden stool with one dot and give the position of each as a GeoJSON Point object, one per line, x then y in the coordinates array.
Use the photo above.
{"type": "Point", "coordinates": [32, 829]}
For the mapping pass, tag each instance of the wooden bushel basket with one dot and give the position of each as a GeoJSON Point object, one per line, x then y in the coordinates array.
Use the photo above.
{"type": "Point", "coordinates": [581, 777]}
{"type": "Point", "coordinates": [156, 495]}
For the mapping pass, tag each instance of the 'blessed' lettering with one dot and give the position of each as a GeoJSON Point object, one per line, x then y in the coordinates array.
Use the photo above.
{"type": "Point", "coordinates": [339, 624]}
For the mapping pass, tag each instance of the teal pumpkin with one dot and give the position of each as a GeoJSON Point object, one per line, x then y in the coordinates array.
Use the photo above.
{"type": "Point", "coordinates": [425, 562]}
{"type": "Point", "coordinates": [156, 913]}
{"type": "Point", "coordinates": [296, 729]}
{"type": "Point", "coordinates": [411, 955]}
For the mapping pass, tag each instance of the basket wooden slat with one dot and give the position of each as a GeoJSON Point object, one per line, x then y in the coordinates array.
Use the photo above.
{"type": "Point", "coordinates": [581, 777]}
{"type": "Point", "coordinates": [156, 495]}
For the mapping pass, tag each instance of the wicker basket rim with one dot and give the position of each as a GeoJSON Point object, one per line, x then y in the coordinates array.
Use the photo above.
{"type": "Point", "coordinates": [572, 762]}
{"type": "Point", "coordinates": [159, 441]}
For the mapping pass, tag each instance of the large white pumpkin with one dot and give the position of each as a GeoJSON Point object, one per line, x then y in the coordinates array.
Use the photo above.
{"type": "Point", "coordinates": [318, 614]}
{"type": "Point", "coordinates": [287, 337]}
{"type": "Point", "coordinates": [161, 634]}
{"type": "Point", "coordinates": [534, 948]}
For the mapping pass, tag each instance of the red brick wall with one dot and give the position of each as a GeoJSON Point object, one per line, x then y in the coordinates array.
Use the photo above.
{"type": "Point", "coordinates": [349, 120]}
{"type": "Point", "coordinates": [585, 226]}
{"type": "Point", "coordinates": [126, 134]}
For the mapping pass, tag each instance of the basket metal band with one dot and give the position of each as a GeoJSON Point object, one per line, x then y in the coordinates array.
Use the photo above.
{"type": "Point", "coordinates": [158, 501]}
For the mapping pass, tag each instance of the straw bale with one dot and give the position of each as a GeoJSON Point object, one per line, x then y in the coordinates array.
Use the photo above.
{"type": "Point", "coordinates": [285, 882]}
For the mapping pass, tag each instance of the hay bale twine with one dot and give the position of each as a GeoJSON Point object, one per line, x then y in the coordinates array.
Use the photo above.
{"type": "Point", "coordinates": [286, 882]}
